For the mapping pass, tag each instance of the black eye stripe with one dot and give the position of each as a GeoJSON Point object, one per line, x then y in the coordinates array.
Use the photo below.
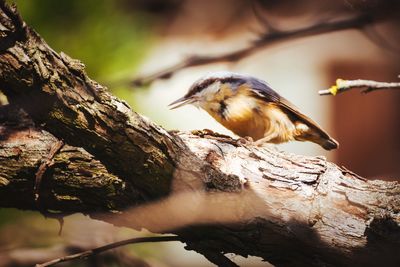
{"type": "Point", "coordinates": [197, 88]}
{"type": "Point", "coordinates": [222, 109]}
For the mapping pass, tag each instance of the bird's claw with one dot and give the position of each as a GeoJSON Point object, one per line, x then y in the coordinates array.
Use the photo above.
{"type": "Point", "coordinates": [245, 140]}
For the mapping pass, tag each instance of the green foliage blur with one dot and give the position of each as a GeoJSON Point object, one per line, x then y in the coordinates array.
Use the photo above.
{"type": "Point", "coordinates": [110, 37]}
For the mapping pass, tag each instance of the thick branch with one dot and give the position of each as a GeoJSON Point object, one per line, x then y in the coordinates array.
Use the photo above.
{"type": "Point", "coordinates": [290, 208]}
{"type": "Point", "coordinates": [56, 92]}
{"type": "Point", "coordinates": [75, 181]}
{"type": "Point", "coordinates": [269, 38]}
{"type": "Point", "coordinates": [218, 195]}
{"type": "Point", "coordinates": [366, 86]}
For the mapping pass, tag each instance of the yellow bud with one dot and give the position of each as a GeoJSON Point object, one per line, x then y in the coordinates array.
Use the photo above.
{"type": "Point", "coordinates": [333, 90]}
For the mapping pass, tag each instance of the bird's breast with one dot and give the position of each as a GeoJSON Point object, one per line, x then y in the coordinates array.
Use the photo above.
{"type": "Point", "coordinates": [246, 117]}
{"type": "Point", "coordinates": [241, 115]}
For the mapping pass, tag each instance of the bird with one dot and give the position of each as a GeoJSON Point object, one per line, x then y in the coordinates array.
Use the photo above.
{"type": "Point", "coordinates": [249, 107]}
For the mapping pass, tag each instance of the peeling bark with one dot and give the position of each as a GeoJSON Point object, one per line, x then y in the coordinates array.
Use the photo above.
{"type": "Point", "coordinates": [289, 209]}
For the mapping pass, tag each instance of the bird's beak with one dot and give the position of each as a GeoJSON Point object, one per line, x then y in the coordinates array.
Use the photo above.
{"type": "Point", "coordinates": [181, 102]}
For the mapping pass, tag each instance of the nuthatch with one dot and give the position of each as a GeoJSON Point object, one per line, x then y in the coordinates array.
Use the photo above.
{"type": "Point", "coordinates": [249, 107]}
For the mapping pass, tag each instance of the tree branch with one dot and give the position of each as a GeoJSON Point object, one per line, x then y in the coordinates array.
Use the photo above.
{"type": "Point", "coordinates": [366, 86]}
{"type": "Point", "coordinates": [103, 125]}
{"type": "Point", "coordinates": [74, 182]}
{"type": "Point", "coordinates": [98, 250]}
{"type": "Point", "coordinates": [285, 204]}
{"type": "Point", "coordinates": [215, 194]}
{"type": "Point", "coordinates": [270, 37]}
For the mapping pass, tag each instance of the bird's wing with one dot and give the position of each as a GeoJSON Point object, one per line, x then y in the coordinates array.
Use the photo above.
{"type": "Point", "coordinates": [265, 92]}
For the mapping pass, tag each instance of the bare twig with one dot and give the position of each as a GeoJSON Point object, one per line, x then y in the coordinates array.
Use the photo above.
{"type": "Point", "coordinates": [366, 86]}
{"type": "Point", "coordinates": [268, 38]}
{"type": "Point", "coordinates": [48, 162]}
{"type": "Point", "coordinates": [44, 166]}
{"type": "Point", "coordinates": [95, 251]}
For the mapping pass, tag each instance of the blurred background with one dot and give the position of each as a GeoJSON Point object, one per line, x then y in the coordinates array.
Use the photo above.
{"type": "Point", "coordinates": [121, 40]}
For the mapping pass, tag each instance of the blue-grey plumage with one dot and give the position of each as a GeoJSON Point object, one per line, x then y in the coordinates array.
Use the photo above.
{"type": "Point", "coordinates": [249, 107]}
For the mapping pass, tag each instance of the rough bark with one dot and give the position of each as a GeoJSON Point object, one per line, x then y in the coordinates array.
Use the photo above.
{"type": "Point", "coordinates": [75, 182]}
{"type": "Point", "coordinates": [288, 209]}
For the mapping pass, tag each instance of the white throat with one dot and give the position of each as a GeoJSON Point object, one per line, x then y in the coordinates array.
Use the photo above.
{"type": "Point", "coordinates": [208, 93]}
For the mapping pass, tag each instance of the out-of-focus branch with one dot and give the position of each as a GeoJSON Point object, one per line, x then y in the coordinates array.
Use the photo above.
{"type": "Point", "coordinates": [366, 86]}
{"type": "Point", "coordinates": [268, 38]}
{"type": "Point", "coordinates": [81, 234]}
{"type": "Point", "coordinates": [28, 257]}
{"type": "Point", "coordinates": [95, 251]}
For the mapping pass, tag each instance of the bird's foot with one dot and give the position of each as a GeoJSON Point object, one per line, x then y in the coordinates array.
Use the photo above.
{"type": "Point", "coordinates": [247, 140]}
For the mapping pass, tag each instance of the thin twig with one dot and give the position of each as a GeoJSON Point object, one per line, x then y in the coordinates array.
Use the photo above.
{"type": "Point", "coordinates": [95, 251]}
{"type": "Point", "coordinates": [366, 86]}
{"type": "Point", "coordinates": [267, 39]}
{"type": "Point", "coordinates": [48, 162]}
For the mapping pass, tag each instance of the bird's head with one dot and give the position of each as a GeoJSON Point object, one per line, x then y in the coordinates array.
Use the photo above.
{"type": "Point", "coordinates": [210, 89]}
